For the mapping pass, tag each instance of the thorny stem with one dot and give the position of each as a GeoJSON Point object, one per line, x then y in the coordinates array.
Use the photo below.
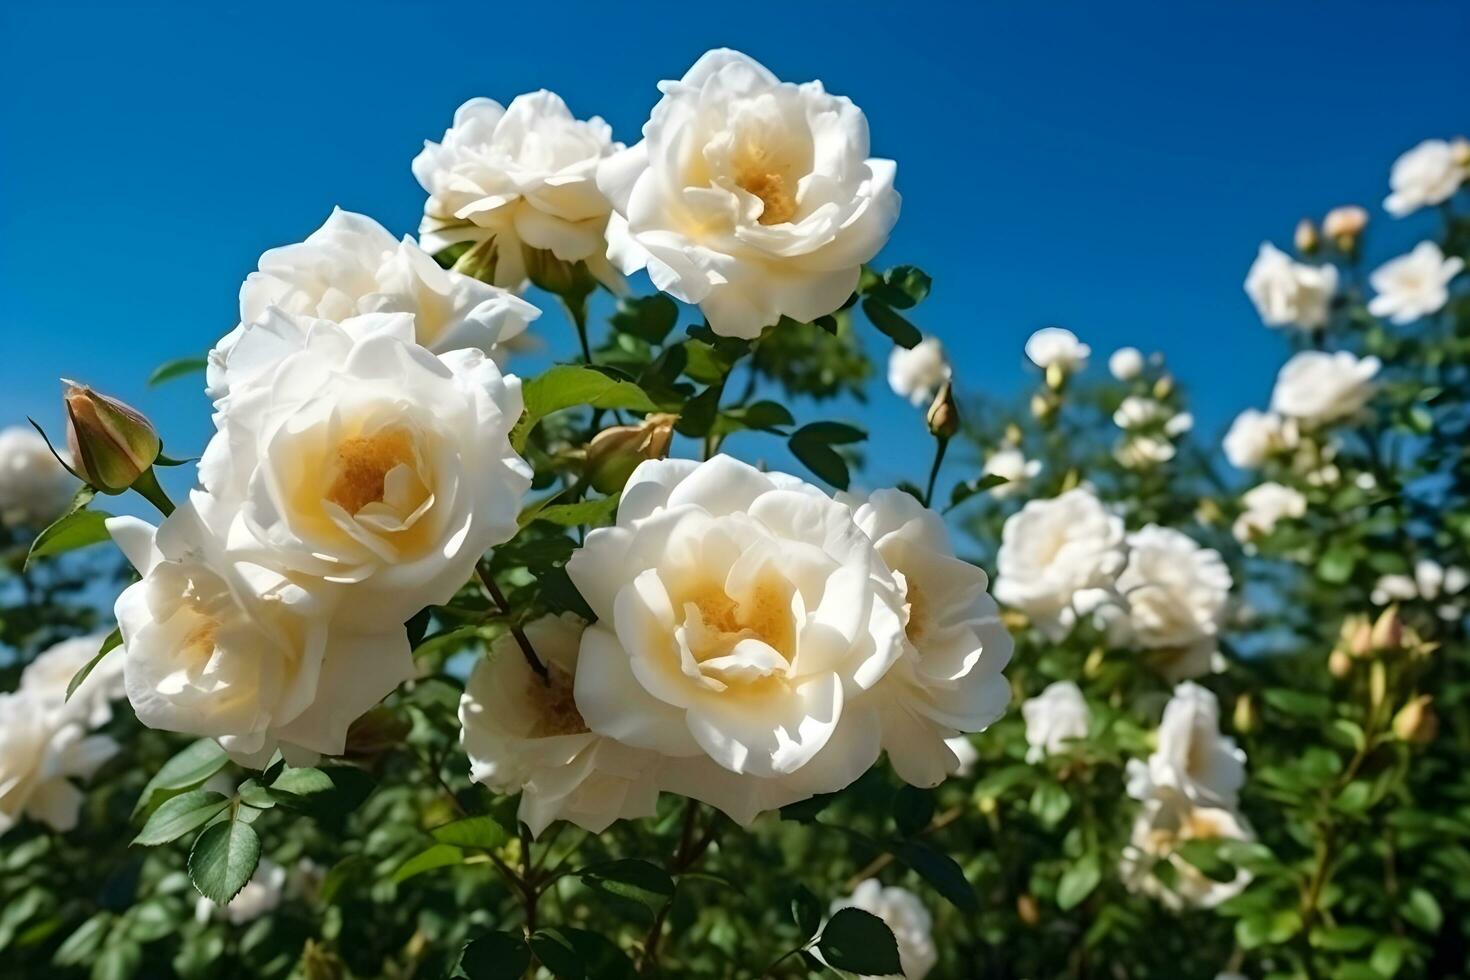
{"type": "Point", "coordinates": [529, 652]}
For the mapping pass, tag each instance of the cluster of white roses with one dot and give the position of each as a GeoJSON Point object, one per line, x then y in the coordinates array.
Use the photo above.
{"type": "Point", "coordinates": [1430, 582]}
{"type": "Point", "coordinates": [49, 742]}
{"type": "Point", "coordinates": [1190, 790]}
{"type": "Point", "coordinates": [34, 486]}
{"type": "Point", "coordinates": [757, 642]}
{"type": "Point", "coordinates": [1153, 589]}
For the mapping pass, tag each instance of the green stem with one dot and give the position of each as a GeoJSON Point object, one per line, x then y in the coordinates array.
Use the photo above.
{"type": "Point", "coordinates": [148, 488]}
{"type": "Point", "coordinates": [576, 307]}
{"type": "Point", "coordinates": [941, 443]}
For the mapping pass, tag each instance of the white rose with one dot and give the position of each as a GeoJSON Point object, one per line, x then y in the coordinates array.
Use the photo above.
{"type": "Point", "coordinates": [1316, 387]}
{"type": "Point", "coordinates": [518, 177]}
{"type": "Point", "coordinates": [1265, 505]}
{"type": "Point", "coordinates": [1138, 452]}
{"type": "Point", "coordinates": [1164, 824]}
{"type": "Point", "coordinates": [1193, 758]}
{"type": "Point", "coordinates": [1414, 285]}
{"type": "Point", "coordinates": [949, 679]}
{"type": "Point", "coordinates": [1057, 346]}
{"type": "Point", "coordinates": [41, 752]}
{"type": "Point", "coordinates": [362, 458]}
{"type": "Point", "coordinates": [1345, 223]}
{"type": "Point", "coordinates": [1054, 718]}
{"type": "Point", "coordinates": [241, 654]}
{"type": "Point", "coordinates": [351, 265]}
{"type": "Point", "coordinates": [1434, 580]}
{"type": "Point", "coordinates": [525, 735]}
{"type": "Point", "coordinates": [1255, 435]}
{"type": "Point", "coordinates": [739, 613]}
{"type": "Point", "coordinates": [1428, 174]}
{"type": "Point", "coordinates": [751, 197]}
{"type": "Point", "coordinates": [1290, 293]}
{"type": "Point", "coordinates": [905, 917]}
{"type": "Point", "coordinates": [1012, 465]}
{"type": "Point", "coordinates": [261, 895]}
{"type": "Point", "coordinates": [1051, 550]}
{"type": "Point", "coordinates": [46, 679]}
{"type": "Point", "coordinates": [1126, 363]}
{"type": "Point", "coordinates": [1174, 595]}
{"type": "Point", "coordinates": [916, 373]}
{"type": "Point", "coordinates": [34, 487]}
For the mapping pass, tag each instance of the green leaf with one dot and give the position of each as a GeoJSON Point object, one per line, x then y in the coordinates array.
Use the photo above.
{"type": "Point", "coordinates": [1299, 704]}
{"type": "Point", "coordinates": [493, 956]}
{"type": "Point", "coordinates": [348, 869]}
{"type": "Point", "coordinates": [1050, 803]}
{"type": "Point", "coordinates": [76, 530]}
{"type": "Point", "coordinates": [764, 416]}
{"type": "Point", "coordinates": [904, 286]}
{"type": "Point", "coordinates": [913, 808]}
{"type": "Point", "coordinates": [632, 879]}
{"type": "Point", "coordinates": [567, 385]}
{"type": "Point", "coordinates": [184, 771]}
{"type": "Point", "coordinates": [178, 368]}
{"type": "Point", "coordinates": [435, 857]}
{"type": "Point", "coordinates": [698, 415]}
{"type": "Point", "coordinates": [1421, 909]}
{"type": "Point", "coordinates": [110, 643]}
{"type": "Point", "coordinates": [180, 814]}
{"type": "Point", "coordinates": [1077, 882]}
{"type": "Point", "coordinates": [592, 512]}
{"type": "Point", "coordinates": [557, 954]}
{"type": "Point", "coordinates": [860, 942]}
{"type": "Point", "coordinates": [82, 944]}
{"type": "Point", "coordinates": [119, 961]}
{"type": "Point", "coordinates": [831, 433]}
{"type": "Point", "coordinates": [806, 910]}
{"type": "Point", "coordinates": [1343, 939]}
{"type": "Point", "coordinates": [302, 782]}
{"type": "Point", "coordinates": [223, 859]}
{"type": "Point", "coordinates": [807, 810]}
{"type": "Point", "coordinates": [812, 444]}
{"type": "Point", "coordinates": [649, 318]}
{"type": "Point", "coordinates": [891, 324]}
{"type": "Point", "coordinates": [482, 832]}
{"type": "Point", "coordinates": [941, 872]}
{"type": "Point", "coordinates": [964, 491]}
{"type": "Point", "coordinates": [1336, 566]}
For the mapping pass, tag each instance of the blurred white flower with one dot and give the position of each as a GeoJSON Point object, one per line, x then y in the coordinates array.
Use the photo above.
{"type": "Point", "coordinates": [41, 753]}
{"type": "Point", "coordinates": [1345, 223]}
{"type": "Point", "coordinates": [1173, 594]}
{"type": "Point", "coordinates": [1430, 581]}
{"type": "Point", "coordinates": [525, 735]}
{"type": "Point", "coordinates": [1193, 758]}
{"type": "Point", "coordinates": [1414, 285]}
{"type": "Point", "coordinates": [232, 651]}
{"type": "Point", "coordinates": [720, 583]}
{"type": "Point", "coordinates": [949, 679]}
{"type": "Point", "coordinates": [1051, 550]}
{"type": "Point", "coordinates": [359, 457]}
{"type": "Point", "coordinates": [1126, 363]}
{"type": "Point", "coordinates": [1059, 347]}
{"type": "Point", "coordinates": [916, 373]}
{"type": "Point", "coordinates": [751, 197]}
{"type": "Point", "coordinates": [1054, 718]}
{"type": "Point", "coordinates": [1393, 588]}
{"type": "Point", "coordinates": [1141, 451]}
{"type": "Point", "coordinates": [1265, 505]}
{"type": "Point", "coordinates": [905, 916]}
{"type": "Point", "coordinates": [47, 677]}
{"type": "Point", "coordinates": [1165, 823]}
{"type": "Point", "coordinates": [1290, 293]}
{"type": "Point", "coordinates": [34, 487]}
{"type": "Point", "coordinates": [518, 177]}
{"type": "Point", "coordinates": [1255, 436]}
{"type": "Point", "coordinates": [1428, 174]}
{"type": "Point", "coordinates": [350, 266]}
{"type": "Point", "coordinates": [1012, 465]}
{"type": "Point", "coordinates": [1317, 387]}
{"type": "Point", "coordinates": [261, 895]}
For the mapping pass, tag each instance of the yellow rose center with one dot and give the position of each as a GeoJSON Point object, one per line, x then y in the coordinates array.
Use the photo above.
{"type": "Point", "coordinates": [362, 466]}
{"type": "Point", "coordinates": [772, 189]}
{"type": "Point", "coordinates": [559, 714]}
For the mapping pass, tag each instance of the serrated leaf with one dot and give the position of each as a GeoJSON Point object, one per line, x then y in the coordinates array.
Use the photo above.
{"type": "Point", "coordinates": [568, 385]}
{"type": "Point", "coordinates": [1077, 882]}
{"type": "Point", "coordinates": [185, 770]}
{"type": "Point", "coordinates": [859, 942]}
{"type": "Point", "coordinates": [177, 368]}
{"type": "Point", "coordinates": [223, 859]}
{"type": "Point", "coordinates": [179, 815]}
{"type": "Point", "coordinates": [75, 530]}
{"type": "Point", "coordinates": [482, 832]}
{"type": "Point", "coordinates": [430, 859]}
{"type": "Point", "coordinates": [111, 642]}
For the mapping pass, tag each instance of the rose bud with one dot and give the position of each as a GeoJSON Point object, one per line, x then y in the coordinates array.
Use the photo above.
{"type": "Point", "coordinates": [615, 452]}
{"type": "Point", "coordinates": [1344, 225]}
{"type": "Point", "coordinates": [112, 444]}
{"type": "Point", "coordinates": [1416, 721]}
{"type": "Point", "coordinates": [944, 414]}
{"type": "Point", "coordinates": [1388, 632]}
{"type": "Point", "coordinates": [1307, 238]}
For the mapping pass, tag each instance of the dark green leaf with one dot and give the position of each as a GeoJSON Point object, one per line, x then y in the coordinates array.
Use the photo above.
{"type": "Point", "coordinates": [180, 814]}
{"type": "Point", "coordinates": [822, 460]}
{"type": "Point", "coordinates": [557, 954]}
{"type": "Point", "coordinates": [185, 770]}
{"type": "Point", "coordinates": [493, 956]}
{"type": "Point", "coordinates": [860, 942]}
{"type": "Point", "coordinates": [806, 910]}
{"type": "Point", "coordinates": [76, 530]}
{"type": "Point", "coordinates": [179, 368]}
{"type": "Point", "coordinates": [630, 878]}
{"type": "Point", "coordinates": [1077, 882]}
{"type": "Point", "coordinates": [118, 961]}
{"type": "Point", "coordinates": [649, 318]}
{"type": "Point", "coordinates": [941, 872]}
{"type": "Point", "coordinates": [1336, 566]}
{"type": "Point", "coordinates": [807, 811]}
{"type": "Point", "coordinates": [482, 832]}
{"type": "Point", "coordinates": [431, 859]}
{"type": "Point", "coordinates": [223, 859]}
{"type": "Point", "coordinates": [592, 512]}
{"type": "Point", "coordinates": [698, 415]}
{"type": "Point", "coordinates": [1422, 909]}
{"type": "Point", "coordinates": [913, 808]}
{"type": "Point", "coordinates": [891, 323]}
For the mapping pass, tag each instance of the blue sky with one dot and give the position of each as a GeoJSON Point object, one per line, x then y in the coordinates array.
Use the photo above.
{"type": "Point", "coordinates": [1108, 167]}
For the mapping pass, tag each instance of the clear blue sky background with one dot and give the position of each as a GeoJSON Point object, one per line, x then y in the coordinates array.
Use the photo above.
{"type": "Point", "coordinates": [1110, 167]}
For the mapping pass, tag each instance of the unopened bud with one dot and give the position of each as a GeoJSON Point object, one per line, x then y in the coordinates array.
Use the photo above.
{"type": "Point", "coordinates": [1245, 714]}
{"type": "Point", "coordinates": [1307, 238]}
{"type": "Point", "coordinates": [320, 963]}
{"type": "Point", "coordinates": [1343, 226]}
{"type": "Point", "coordinates": [615, 452]}
{"type": "Point", "coordinates": [1027, 909]}
{"type": "Point", "coordinates": [1460, 151]}
{"type": "Point", "coordinates": [1388, 632]}
{"type": "Point", "coordinates": [111, 444]}
{"type": "Point", "coordinates": [1164, 386]}
{"type": "Point", "coordinates": [1377, 684]}
{"type": "Point", "coordinates": [1056, 376]}
{"type": "Point", "coordinates": [1043, 405]}
{"type": "Point", "coordinates": [1356, 638]}
{"type": "Point", "coordinates": [1416, 721]}
{"type": "Point", "coordinates": [1339, 664]}
{"type": "Point", "coordinates": [1093, 665]}
{"type": "Point", "coordinates": [565, 279]}
{"type": "Point", "coordinates": [944, 414]}
{"type": "Point", "coordinates": [1013, 434]}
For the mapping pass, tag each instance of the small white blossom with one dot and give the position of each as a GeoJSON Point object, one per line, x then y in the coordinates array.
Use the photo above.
{"type": "Point", "coordinates": [1166, 822]}
{"type": "Point", "coordinates": [1255, 436]}
{"type": "Point", "coordinates": [1414, 285]}
{"type": "Point", "coordinates": [1193, 758]}
{"type": "Point", "coordinates": [1172, 596]}
{"type": "Point", "coordinates": [905, 916]}
{"type": "Point", "coordinates": [1265, 506]}
{"type": "Point", "coordinates": [1054, 718]}
{"type": "Point", "coordinates": [1287, 292]}
{"type": "Point", "coordinates": [42, 753]}
{"type": "Point", "coordinates": [1125, 363]}
{"type": "Point", "coordinates": [47, 677]}
{"type": "Point", "coordinates": [1012, 465]}
{"type": "Point", "coordinates": [1059, 347]}
{"type": "Point", "coordinates": [1428, 174]}
{"type": "Point", "coordinates": [261, 895]}
{"type": "Point", "coordinates": [1317, 387]}
{"type": "Point", "coordinates": [917, 373]}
